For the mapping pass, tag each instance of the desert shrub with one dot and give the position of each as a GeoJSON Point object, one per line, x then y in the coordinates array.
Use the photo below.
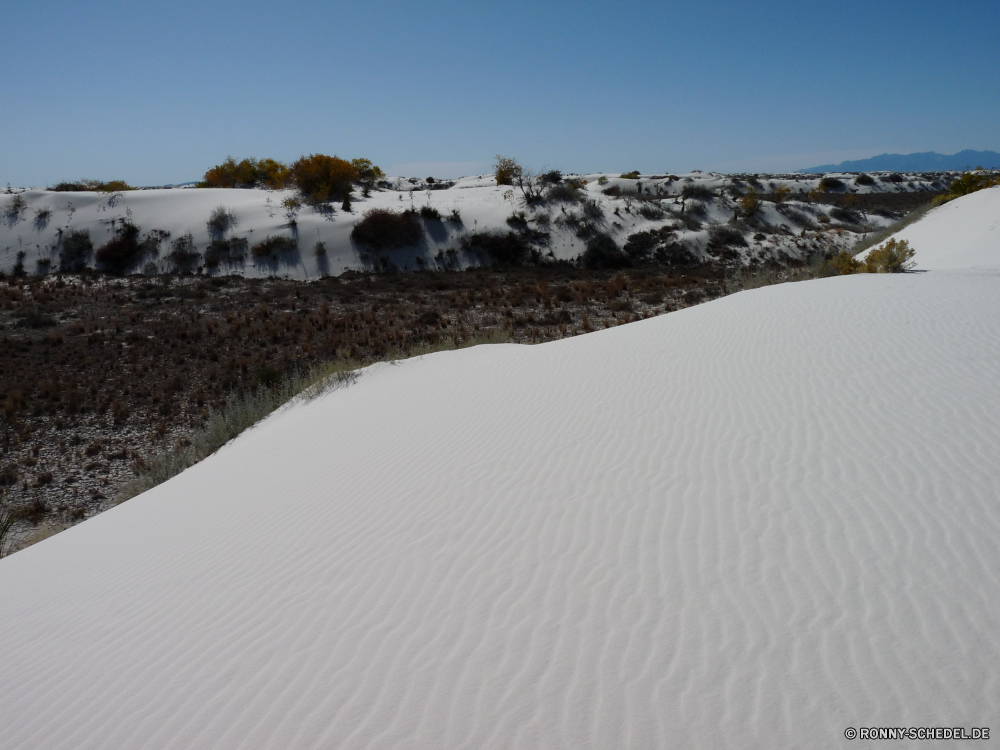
{"type": "Point", "coordinates": [797, 216]}
{"type": "Point", "coordinates": [455, 217]}
{"type": "Point", "coordinates": [564, 193]}
{"type": "Point", "coordinates": [42, 217]}
{"type": "Point", "coordinates": [510, 249]}
{"type": "Point", "coordinates": [633, 175]}
{"type": "Point", "coordinates": [321, 177]}
{"type": "Point", "coordinates": [552, 177]}
{"type": "Point", "coordinates": [675, 254]}
{"type": "Point", "coordinates": [221, 221]}
{"type": "Point", "coordinates": [506, 169]}
{"type": "Point", "coordinates": [651, 211]}
{"type": "Point", "coordinates": [225, 250]}
{"type": "Point", "coordinates": [722, 235]}
{"type": "Point", "coordinates": [691, 222]}
{"type": "Point", "coordinates": [895, 256]}
{"type": "Point", "coordinates": [518, 220]}
{"type": "Point", "coordinates": [750, 204]}
{"type": "Point", "coordinates": [272, 245]}
{"type": "Point", "coordinates": [592, 210]}
{"type": "Point", "coordinates": [182, 251]}
{"type": "Point", "coordinates": [781, 192]}
{"type": "Point", "coordinates": [369, 174]}
{"type": "Point", "coordinates": [76, 251]}
{"type": "Point", "coordinates": [603, 252]}
{"type": "Point", "coordinates": [845, 215]}
{"type": "Point", "coordinates": [864, 179]}
{"type": "Point", "coordinates": [382, 228]}
{"type": "Point", "coordinates": [92, 186]}
{"type": "Point", "coordinates": [248, 173]}
{"type": "Point", "coordinates": [970, 182]}
{"type": "Point", "coordinates": [698, 192]}
{"type": "Point", "coordinates": [614, 191]}
{"type": "Point", "coordinates": [844, 263]}
{"type": "Point", "coordinates": [320, 249]}
{"type": "Point", "coordinates": [641, 244]}
{"type": "Point", "coordinates": [431, 213]}
{"type": "Point", "coordinates": [13, 208]}
{"type": "Point", "coordinates": [120, 251]}
{"type": "Point", "coordinates": [830, 183]}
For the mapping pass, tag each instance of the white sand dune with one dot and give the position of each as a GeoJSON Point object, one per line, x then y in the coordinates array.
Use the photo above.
{"type": "Point", "coordinates": [964, 233]}
{"type": "Point", "coordinates": [748, 524]}
{"type": "Point", "coordinates": [47, 218]}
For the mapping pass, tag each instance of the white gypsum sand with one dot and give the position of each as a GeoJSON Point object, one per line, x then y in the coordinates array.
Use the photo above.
{"type": "Point", "coordinates": [963, 233]}
{"type": "Point", "coordinates": [748, 524]}
{"type": "Point", "coordinates": [41, 228]}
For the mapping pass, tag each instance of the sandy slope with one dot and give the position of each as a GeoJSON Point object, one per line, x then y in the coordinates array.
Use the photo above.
{"type": "Point", "coordinates": [964, 233]}
{"type": "Point", "coordinates": [748, 524]}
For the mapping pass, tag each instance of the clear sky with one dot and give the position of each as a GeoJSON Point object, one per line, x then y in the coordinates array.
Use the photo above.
{"type": "Point", "coordinates": [156, 93]}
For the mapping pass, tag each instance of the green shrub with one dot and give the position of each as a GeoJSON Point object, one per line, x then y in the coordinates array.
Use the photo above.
{"type": "Point", "coordinates": [830, 183]}
{"type": "Point", "coordinates": [228, 250]}
{"type": "Point", "coordinates": [455, 217]}
{"type": "Point", "coordinates": [592, 210]}
{"type": "Point", "coordinates": [182, 252]}
{"type": "Point", "coordinates": [750, 204]}
{"type": "Point", "coordinates": [510, 249]}
{"type": "Point", "coordinates": [368, 173]}
{"type": "Point", "coordinates": [431, 213]}
{"type": "Point", "coordinates": [722, 235]}
{"type": "Point", "coordinates": [698, 192]}
{"type": "Point", "coordinates": [321, 178]}
{"type": "Point", "coordinates": [76, 251]}
{"type": "Point", "coordinates": [970, 182]}
{"type": "Point", "coordinates": [121, 251]}
{"type": "Point", "coordinates": [864, 179]}
{"type": "Point", "coordinates": [641, 244]}
{"type": "Point", "coordinates": [634, 175]}
{"type": "Point", "coordinates": [13, 209]}
{"type": "Point", "coordinates": [603, 252]}
{"type": "Point", "coordinates": [553, 177]}
{"type": "Point", "coordinates": [845, 264]}
{"type": "Point", "coordinates": [272, 245]}
{"type": "Point", "coordinates": [382, 229]}
{"type": "Point", "coordinates": [220, 221]}
{"type": "Point", "coordinates": [564, 193]}
{"type": "Point", "coordinates": [895, 256]}
{"type": "Point", "coordinates": [92, 186]}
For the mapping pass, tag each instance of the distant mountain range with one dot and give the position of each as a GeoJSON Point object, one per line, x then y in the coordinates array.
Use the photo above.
{"type": "Point", "coordinates": [928, 161]}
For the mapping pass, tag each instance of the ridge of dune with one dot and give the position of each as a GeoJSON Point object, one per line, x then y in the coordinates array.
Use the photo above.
{"type": "Point", "coordinates": [961, 234]}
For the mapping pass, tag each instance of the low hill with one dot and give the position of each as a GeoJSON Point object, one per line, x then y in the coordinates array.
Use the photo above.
{"type": "Point", "coordinates": [927, 161]}
{"type": "Point", "coordinates": [696, 217]}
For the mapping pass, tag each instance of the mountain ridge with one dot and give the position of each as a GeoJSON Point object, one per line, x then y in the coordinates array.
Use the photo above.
{"type": "Point", "coordinates": [925, 161]}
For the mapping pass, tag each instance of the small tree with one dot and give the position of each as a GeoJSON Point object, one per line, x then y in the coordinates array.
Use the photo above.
{"type": "Point", "coordinates": [368, 173]}
{"type": "Point", "coordinates": [507, 170]}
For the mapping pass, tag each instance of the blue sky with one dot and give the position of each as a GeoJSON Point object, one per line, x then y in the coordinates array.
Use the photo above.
{"type": "Point", "coordinates": [156, 93]}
